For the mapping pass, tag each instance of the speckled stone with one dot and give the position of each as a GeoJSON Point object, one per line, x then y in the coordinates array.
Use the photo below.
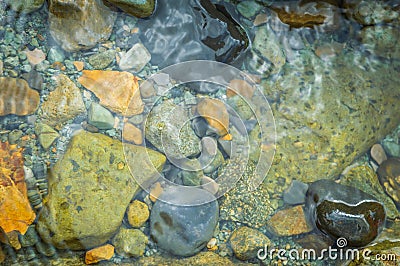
{"type": "Point", "coordinates": [130, 242]}
{"type": "Point", "coordinates": [87, 201]}
{"type": "Point", "coordinates": [201, 259]}
{"type": "Point", "coordinates": [167, 129]}
{"type": "Point", "coordinates": [138, 213]}
{"type": "Point", "coordinates": [242, 204]}
{"type": "Point", "coordinates": [289, 222]}
{"type": "Point", "coordinates": [389, 174]}
{"type": "Point", "coordinates": [62, 104]}
{"type": "Point", "coordinates": [246, 242]}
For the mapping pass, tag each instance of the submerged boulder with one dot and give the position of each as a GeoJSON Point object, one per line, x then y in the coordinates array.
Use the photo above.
{"type": "Point", "coordinates": [90, 189]}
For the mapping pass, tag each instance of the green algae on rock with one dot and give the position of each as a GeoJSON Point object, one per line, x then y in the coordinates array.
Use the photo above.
{"type": "Point", "coordinates": [90, 188]}
{"type": "Point", "coordinates": [316, 135]}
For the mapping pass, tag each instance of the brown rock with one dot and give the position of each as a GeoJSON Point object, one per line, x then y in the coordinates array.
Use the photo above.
{"type": "Point", "coordinates": [155, 191]}
{"type": "Point", "coordinates": [138, 213]}
{"type": "Point", "coordinates": [117, 91]}
{"type": "Point", "coordinates": [289, 222]}
{"type": "Point", "coordinates": [133, 134]}
{"type": "Point", "coordinates": [214, 111]}
{"type": "Point", "coordinates": [11, 167]}
{"type": "Point", "coordinates": [64, 103]}
{"type": "Point", "coordinates": [16, 97]}
{"type": "Point", "coordinates": [98, 254]}
{"type": "Point", "coordinates": [15, 210]}
{"type": "Point", "coordinates": [246, 241]}
{"type": "Point", "coordinates": [79, 65]}
{"type": "Point", "coordinates": [241, 87]}
{"type": "Point", "coordinates": [260, 19]}
{"type": "Point", "coordinates": [299, 20]}
{"type": "Point", "coordinates": [378, 153]}
{"type": "Point", "coordinates": [80, 24]}
{"type": "Point", "coordinates": [35, 56]}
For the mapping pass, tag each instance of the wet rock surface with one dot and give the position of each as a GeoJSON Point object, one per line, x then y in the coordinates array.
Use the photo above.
{"type": "Point", "coordinates": [184, 230]}
{"type": "Point", "coordinates": [137, 8]}
{"type": "Point", "coordinates": [389, 175]}
{"type": "Point", "coordinates": [343, 211]}
{"type": "Point", "coordinates": [130, 242]}
{"type": "Point", "coordinates": [246, 242]}
{"type": "Point", "coordinates": [63, 104]}
{"type": "Point", "coordinates": [288, 222]}
{"type": "Point", "coordinates": [80, 211]}
{"type": "Point", "coordinates": [167, 128]}
{"type": "Point", "coordinates": [89, 21]}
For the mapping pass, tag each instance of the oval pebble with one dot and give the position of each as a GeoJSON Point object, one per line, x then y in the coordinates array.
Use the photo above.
{"type": "Point", "coordinates": [182, 226]}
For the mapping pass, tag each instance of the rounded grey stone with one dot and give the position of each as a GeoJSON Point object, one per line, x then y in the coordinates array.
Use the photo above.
{"type": "Point", "coordinates": [183, 228]}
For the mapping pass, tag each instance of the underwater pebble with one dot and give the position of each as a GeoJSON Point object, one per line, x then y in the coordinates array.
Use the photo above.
{"type": "Point", "coordinates": [35, 56]}
{"type": "Point", "coordinates": [248, 8]}
{"type": "Point", "coordinates": [130, 242]}
{"type": "Point", "coordinates": [96, 23]}
{"type": "Point", "coordinates": [135, 59]}
{"type": "Point", "coordinates": [167, 129]}
{"type": "Point", "coordinates": [389, 177]}
{"type": "Point", "coordinates": [216, 114]}
{"type": "Point", "coordinates": [100, 117]}
{"type": "Point", "coordinates": [289, 222]}
{"type": "Point", "coordinates": [246, 242]}
{"type": "Point", "coordinates": [132, 134]}
{"type": "Point", "coordinates": [392, 148]}
{"type": "Point", "coordinates": [34, 79]}
{"type": "Point", "coordinates": [46, 135]}
{"type": "Point", "coordinates": [55, 111]}
{"type": "Point", "coordinates": [102, 60]}
{"type": "Point", "coordinates": [55, 55]}
{"type": "Point", "coordinates": [139, 9]}
{"type": "Point", "coordinates": [209, 184]}
{"type": "Point", "coordinates": [124, 99]}
{"type": "Point", "coordinates": [99, 254]}
{"type": "Point", "coordinates": [183, 230]}
{"type": "Point", "coordinates": [137, 213]}
{"type": "Point", "coordinates": [344, 211]}
{"type": "Point", "coordinates": [30, 238]}
{"type": "Point", "coordinates": [16, 97]}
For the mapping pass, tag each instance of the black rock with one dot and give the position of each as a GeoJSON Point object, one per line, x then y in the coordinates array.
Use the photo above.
{"type": "Point", "coordinates": [344, 212]}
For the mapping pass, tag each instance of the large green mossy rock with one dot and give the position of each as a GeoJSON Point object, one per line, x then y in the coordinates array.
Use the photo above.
{"type": "Point", "coordinates": [329, 113]}
{"type": "Point", "coordinates": [90, 188]}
